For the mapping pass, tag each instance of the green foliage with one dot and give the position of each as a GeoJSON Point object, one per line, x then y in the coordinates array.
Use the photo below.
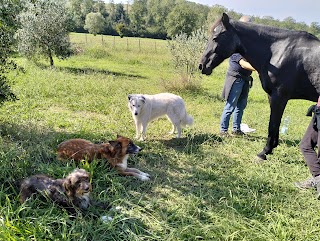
{"type": "Point", "coordinates": [121, 29]}
{"type": "Point", "coordinates": [100, 7]}
{"type": "Point", "coordinates": [75, 13]}
{"type": "Point", "coordinates": [9, 10]}
{"type": "Point", "coordinates": [44, 30]}
{"type": "Point", "coordinates": [94, 23]}
{"type": "Point", "coordinates": [164, 18]}
{"type": "Point", "coordinates": [120, 15]}
{"type": "Point", "coordinates": [181, 20]}
{"type": "Point", "coordinates": [184, 48]}
{"type": "Point", "coordinates": [158, 11]}
{"type": "Point", "coordinates": [138, 15]}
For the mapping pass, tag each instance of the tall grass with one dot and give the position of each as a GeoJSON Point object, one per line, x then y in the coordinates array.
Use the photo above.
{"type": "Point", "coordinates": [203, 187]}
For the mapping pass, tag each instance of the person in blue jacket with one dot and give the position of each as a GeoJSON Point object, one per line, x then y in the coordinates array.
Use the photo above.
{"type": "Point", "coordinates": [235, 91]}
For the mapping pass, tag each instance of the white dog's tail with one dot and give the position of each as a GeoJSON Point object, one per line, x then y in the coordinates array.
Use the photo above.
{"type": "Point", "coordinates": [187, 120]}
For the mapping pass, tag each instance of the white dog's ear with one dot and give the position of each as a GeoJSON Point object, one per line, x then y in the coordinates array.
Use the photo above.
{"type": "Point", "coordinates": [143, 99]}
{"type": "Point", "coordinates": [129, 97]}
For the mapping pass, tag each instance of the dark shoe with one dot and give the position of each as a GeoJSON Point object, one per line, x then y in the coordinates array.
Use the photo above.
{"type": "Point", "coordinates": [311, 182]}
{"type": "Point", "coordinates": [237, 133]}
{"type": "Point", "coordinates": [224, 134]}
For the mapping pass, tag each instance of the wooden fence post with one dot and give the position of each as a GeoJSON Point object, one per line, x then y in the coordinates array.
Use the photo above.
{"type": "Point", "coordinates": [139, 46]}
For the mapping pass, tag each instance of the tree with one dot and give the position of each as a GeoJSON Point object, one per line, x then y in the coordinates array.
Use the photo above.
{"type": "Point", "coordinates": [87, 7]}
{"type": "Point", "coordinates": [138, 15]}
{"type": "Point", "coordinates": [94, 23]}
{"type": "Point", "coordinates": [78, 10]}
{"type": "Point", "coordinates": [288, 23]}
{"type": "Point", "coordinates": [75, 13]}
{"type": "Point", "coordinates": [44, 30]}
{"type": "Point", "coordinates": [184, 48]}
{"type": "Point", "coordinates": [182, 19]}
{"type": "Point", "coordinates": [121, 29]}
{"type": "Point", "coordinates": [9, 10]}
{"type": "Point", "coordinates": [100, 7]}
{"type": "Point", "coordinates": [314, 28]}
{"type": "Point", "coordinates": [215, 13]}
{"type": "Point", "coordinates": [158, 10]}
{"type": "Point", "coordinates": [120, 15]}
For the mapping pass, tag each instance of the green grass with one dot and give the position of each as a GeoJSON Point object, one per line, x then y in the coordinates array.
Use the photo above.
{"type": "Point", "coordinates": [203, 187]}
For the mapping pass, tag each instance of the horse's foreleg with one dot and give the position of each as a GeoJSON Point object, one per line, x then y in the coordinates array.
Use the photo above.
{"type": "Point", "coordinates": [277, 106]}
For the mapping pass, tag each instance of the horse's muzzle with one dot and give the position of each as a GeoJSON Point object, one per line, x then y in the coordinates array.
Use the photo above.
{"type": "Point", "coordinates": [204, 70]}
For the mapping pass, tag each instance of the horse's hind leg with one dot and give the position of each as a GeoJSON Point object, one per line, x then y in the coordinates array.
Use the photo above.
{"type": "Point", "coordinates": [277, 106]}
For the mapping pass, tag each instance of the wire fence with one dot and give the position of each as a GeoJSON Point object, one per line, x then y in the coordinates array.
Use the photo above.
{"type": "Point", "coordinates": [115, 42]}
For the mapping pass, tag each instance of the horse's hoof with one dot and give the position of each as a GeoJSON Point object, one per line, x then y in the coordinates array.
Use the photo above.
{"type": "Point", "coordinates": [259, 160]}
{"type": "Point", "coordinates": [262, 156]}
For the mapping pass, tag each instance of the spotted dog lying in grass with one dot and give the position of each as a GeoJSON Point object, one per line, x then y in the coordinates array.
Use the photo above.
{"type": "Point", "coordinates": [72, 192]}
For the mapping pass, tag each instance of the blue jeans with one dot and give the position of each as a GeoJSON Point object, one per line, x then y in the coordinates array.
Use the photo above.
{"type": "Point", "coordinates": [236, 103]}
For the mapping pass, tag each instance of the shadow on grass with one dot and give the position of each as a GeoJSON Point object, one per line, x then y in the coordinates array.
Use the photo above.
{"type": "Point", "coordinates": [218, 185]}
{"type": "Point", "coordinates": [26, 149]}
{"type": "Point", "coordinates": [290, 142]}
{"type": "Point", "coordinates": [86, 71]}
{"type": "Point", "coordinates": [282, 140]}
{"type": "Point", "coordinates": [192, 143]}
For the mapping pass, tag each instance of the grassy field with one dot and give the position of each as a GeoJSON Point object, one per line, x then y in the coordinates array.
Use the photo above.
{"type": "Point", "coordinates": [203, 187]}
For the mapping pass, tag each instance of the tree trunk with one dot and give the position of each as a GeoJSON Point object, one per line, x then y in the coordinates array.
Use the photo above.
{"type": "Point", "coordinates": [50, 57]}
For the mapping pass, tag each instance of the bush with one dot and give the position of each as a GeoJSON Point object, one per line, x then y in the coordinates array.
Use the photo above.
{"type": "Point", "coordinates": [185, 51]}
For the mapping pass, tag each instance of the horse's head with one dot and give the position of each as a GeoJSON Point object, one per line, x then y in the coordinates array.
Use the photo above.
{"type": "Point", "coordinates": [222, 43]}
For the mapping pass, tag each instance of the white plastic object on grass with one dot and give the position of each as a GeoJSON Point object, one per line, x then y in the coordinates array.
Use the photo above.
{"type": "Point", "coordinates": [245, 128]}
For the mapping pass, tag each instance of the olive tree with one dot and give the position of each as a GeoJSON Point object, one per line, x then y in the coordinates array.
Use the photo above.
{"type": "Point", "coordinates": [185, 49]}
{"type": "Point", "coordinates": [44, 30]}
{"type": "Point", "coordinates": [9, 10]}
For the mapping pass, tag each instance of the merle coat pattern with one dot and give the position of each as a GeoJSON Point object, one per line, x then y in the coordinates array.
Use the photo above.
{"type": "Point", "coordinates": [288, 63]}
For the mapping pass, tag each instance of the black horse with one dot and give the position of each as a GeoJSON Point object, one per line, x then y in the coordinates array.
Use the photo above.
{"type": "Point", "coordinates": [288, 63]}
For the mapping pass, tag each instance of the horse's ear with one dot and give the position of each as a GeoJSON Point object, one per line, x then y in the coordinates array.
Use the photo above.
{"type": "Point", "coordinates": [225, 20]}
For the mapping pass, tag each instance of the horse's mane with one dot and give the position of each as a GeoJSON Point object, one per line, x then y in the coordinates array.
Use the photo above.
{"type": "Point", "coordinates": [265, 30]}
{"type": "Point", "coordinates": [214, 25]}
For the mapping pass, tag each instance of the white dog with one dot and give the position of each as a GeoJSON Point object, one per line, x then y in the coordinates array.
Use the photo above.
{"type": "Point", "coordinates": [145, 108]}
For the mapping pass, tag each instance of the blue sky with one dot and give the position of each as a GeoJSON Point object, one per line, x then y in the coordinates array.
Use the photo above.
{"type": "Point", "coordinates": [307, 11]}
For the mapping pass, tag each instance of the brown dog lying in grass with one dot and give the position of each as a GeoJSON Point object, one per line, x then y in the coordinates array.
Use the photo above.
{"type": "Point", "coordinates": [115, 152]}
{"type": "Point", "coordinates": [71, 193]}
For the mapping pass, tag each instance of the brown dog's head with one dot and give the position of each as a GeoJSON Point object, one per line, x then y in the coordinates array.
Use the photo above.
{"type": "Point", "coordinates": [125, 145]}
{"type": "Point", "coordinates": [78, 187]}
